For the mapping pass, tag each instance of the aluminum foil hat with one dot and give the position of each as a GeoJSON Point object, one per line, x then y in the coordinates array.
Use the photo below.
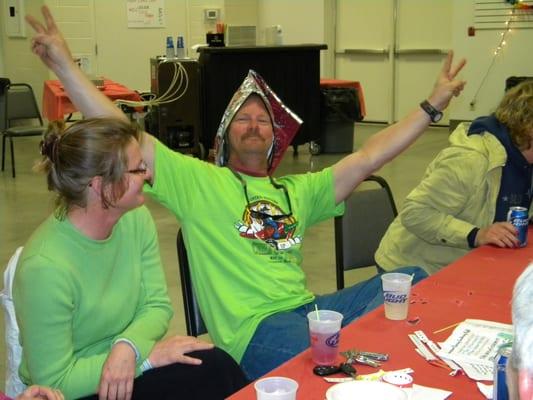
{"type": "Point", "coordinates": [285, 122]}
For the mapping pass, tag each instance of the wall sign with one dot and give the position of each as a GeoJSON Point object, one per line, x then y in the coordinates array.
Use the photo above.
{"type": "Point", "coordinates": [146, 13]}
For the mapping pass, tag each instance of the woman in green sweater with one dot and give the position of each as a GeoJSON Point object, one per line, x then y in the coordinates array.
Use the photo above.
{"type": "Point", "coordinates": [90, 294]}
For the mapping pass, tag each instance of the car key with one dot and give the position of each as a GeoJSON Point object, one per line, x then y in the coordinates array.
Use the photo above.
{"type": "Point", "coordinates": [348, 369]}
{"type": "Point", "coordinates": [324, 370]}
{"type": "Point", "coordinates": [367, 361]}
{"type": "Point", "coordinates": [374, 356]}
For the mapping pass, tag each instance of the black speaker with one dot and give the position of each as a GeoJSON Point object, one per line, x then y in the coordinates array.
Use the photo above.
{"type": "Point", "coordinates": [177, 123]}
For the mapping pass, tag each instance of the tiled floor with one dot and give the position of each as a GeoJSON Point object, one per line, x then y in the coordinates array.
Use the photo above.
{"type": "Point", "coordinates": [25, 202]}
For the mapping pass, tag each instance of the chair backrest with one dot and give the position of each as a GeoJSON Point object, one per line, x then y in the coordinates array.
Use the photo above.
{"type": "Point", "coordinates": [4, 83]}
{"type": "Point", "coordinates": [20, 105]}
{"type": "Point", "coordinates": [193, 318]}
{"type": "Point", "coordinates": [358, 232]}
{"type": "Point", "coordinates": [13, 385]}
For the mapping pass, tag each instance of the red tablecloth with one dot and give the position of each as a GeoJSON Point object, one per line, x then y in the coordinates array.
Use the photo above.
{"type": "Point", "coordinates": [56, 103]}
{"type": "Point", "coordinates": [478, 286]}
{"type": "Point", "coordinates": [338, 83]}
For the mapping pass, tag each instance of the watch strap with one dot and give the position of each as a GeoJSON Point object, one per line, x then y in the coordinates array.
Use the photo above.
{"type": "Point", "coordinates": [434, 114]}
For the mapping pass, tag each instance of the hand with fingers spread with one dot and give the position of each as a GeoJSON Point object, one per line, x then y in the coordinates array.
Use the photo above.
{"type": "Point", "coordinates": [447, 85]}
{"type": "Point", "coordinates": [36, 392]}
{"type": "Point", "coordinates": [174, 349]}
{"type": "Point", "coordinates": [48, 42]}
{"type": "Point", "coordinates": [118, 373]}
{"type": "Point", "coordinates": [501, 234]}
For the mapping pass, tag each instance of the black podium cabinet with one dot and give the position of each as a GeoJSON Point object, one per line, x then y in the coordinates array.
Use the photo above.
{"type": "Point", "coordinates": [292, 71]}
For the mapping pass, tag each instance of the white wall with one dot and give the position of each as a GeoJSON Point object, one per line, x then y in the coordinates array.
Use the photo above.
{"type": "Point", "coordinates": [302, 21]}
{"type": "Point", "coordinates": [124, 53]}
{"type": "Point", "coordinates": [2, 67]}
{"type": "Point", "coordinates": [198, 26]}
{"type": "Point", "coordinates": [241, 12]}
{"type": "Point", "coordinates": [516, 59]}
{"type": "Point", "coordinates": [19, 64]}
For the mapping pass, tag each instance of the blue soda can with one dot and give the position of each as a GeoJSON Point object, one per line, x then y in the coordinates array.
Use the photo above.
{"type": "Point", "coordinates": [500, 391]}
{"type": "Point", "coordinates": [518, 216]}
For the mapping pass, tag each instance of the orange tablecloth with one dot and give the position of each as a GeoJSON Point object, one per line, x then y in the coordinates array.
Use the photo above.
{"type": "Point", "coordinates": [338, 83]}
{"type": "Point", "coordinates": [478, 286]}
{"type": "Point", "coordinates": [56, 102]}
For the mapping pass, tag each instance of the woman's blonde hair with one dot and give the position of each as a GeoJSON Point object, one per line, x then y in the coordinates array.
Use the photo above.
{"type": "Point", "coordinates": [516, 112]}
{"type": "Point", "coordinates": [73, 155]}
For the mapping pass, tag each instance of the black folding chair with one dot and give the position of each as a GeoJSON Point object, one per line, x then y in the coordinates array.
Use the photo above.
{"type": "Point", "coordinates": [359, 231]}
{"type": "Point", "coordinates": [19, 118]}
{"type": "Point", "coordinates": [193, 318]}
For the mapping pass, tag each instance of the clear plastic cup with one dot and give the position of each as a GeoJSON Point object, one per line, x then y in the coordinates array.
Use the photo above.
{"type": "Point", "coordinates": [396, 290]}
{"type": "Point", "coordinates": [276, 388]}
{"type": "Point", "coordinates": [324, 334]}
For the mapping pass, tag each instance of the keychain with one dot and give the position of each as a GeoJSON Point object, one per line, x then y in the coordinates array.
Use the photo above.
{"type": "Point", "coordinates": [371, 359]}
{"type": "Point", "coordinates": [325, 370]}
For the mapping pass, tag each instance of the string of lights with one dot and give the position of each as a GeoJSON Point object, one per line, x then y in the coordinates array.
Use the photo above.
{"type": "Point", "coordinates": [498, 50]}
{"type": "Point", "coordinates": [519, 8]}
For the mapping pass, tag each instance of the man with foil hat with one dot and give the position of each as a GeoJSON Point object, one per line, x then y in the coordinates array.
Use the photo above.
{"type": "Point", "coordinates": [244, 229]}
{"type": "Point", "coordinates": [281, 119]}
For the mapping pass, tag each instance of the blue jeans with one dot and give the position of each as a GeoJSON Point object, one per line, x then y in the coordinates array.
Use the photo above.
{"type": "Point", "coordinates": [281, 336]}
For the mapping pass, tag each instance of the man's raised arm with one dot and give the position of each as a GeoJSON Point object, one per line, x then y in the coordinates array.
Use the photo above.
{"type": "Point", "coordinates": [391, 141]}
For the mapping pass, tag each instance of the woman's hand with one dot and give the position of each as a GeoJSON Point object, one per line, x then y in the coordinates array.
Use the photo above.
{"type": "Point", "coordinates": [40, 393]}
{"type": "Point", "coordinates": [118, 373]}
{"type": "Point", "coordinates": [172, 350]}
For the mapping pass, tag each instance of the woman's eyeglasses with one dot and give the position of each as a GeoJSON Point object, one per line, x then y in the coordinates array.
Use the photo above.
{"type": "Point", "coordinates": [260, 214]}
{"type": "Point", "coordinates": [140, 170]}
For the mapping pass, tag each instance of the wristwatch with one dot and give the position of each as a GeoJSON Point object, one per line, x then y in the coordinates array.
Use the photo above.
{"type": "Point", "coordinates": [434, 114]}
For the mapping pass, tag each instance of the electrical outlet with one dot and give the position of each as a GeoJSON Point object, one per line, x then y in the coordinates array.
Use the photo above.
{"type": "Point", "coordinates": [14, 18]}
{"type": "Point", "coordinates": [84, 62]}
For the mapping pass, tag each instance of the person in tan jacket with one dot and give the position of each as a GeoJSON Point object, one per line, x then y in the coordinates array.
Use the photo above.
{"type": "Point", "coordinates": [465, 194]}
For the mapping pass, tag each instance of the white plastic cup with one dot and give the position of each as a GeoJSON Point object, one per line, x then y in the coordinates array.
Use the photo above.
{"type": "Point", "coordinates": [324, 334]}
{"type": "Point", "coordinates": [276, 388]}
{"type": "Point", "coordinates": [396, 290]}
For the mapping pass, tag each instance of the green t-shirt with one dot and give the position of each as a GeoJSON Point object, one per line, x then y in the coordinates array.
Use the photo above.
{"type": "Point", "coordinates": [74, 297]}
{"type": "Point", "coordinates": [243, 267]}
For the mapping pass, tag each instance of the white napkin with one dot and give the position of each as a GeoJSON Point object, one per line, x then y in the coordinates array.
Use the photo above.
{"type": "Point", "coordinates": [486, 390]}
{"type": "Point", "coordinates": [419, 392]}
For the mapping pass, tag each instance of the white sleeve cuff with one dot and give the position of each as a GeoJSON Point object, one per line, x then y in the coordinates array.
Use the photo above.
{"type": "Point", "coordinates": [146, 365]}
{"type": "Point", "coordinates": [137, 355]}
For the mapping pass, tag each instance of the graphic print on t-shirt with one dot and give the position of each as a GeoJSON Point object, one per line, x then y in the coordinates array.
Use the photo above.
{"type": "Point", "coordinates": [265, 221]}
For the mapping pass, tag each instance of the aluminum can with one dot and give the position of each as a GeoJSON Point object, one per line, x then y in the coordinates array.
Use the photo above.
{"type": "Point", "coordinates": [500, 391]}
{"type": "Point", "coordinates": [518, 216]}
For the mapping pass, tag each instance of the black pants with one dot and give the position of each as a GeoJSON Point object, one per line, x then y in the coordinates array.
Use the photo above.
{"type": "Point", "coordinates": [216, 378]}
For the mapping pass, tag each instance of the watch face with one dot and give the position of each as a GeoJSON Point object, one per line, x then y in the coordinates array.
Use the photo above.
{"type": "Point", "coordinates": [437, 117]}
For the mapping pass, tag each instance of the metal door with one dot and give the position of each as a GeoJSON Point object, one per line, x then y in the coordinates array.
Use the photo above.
{"type": "Point", "coordinates": [394, 48]}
